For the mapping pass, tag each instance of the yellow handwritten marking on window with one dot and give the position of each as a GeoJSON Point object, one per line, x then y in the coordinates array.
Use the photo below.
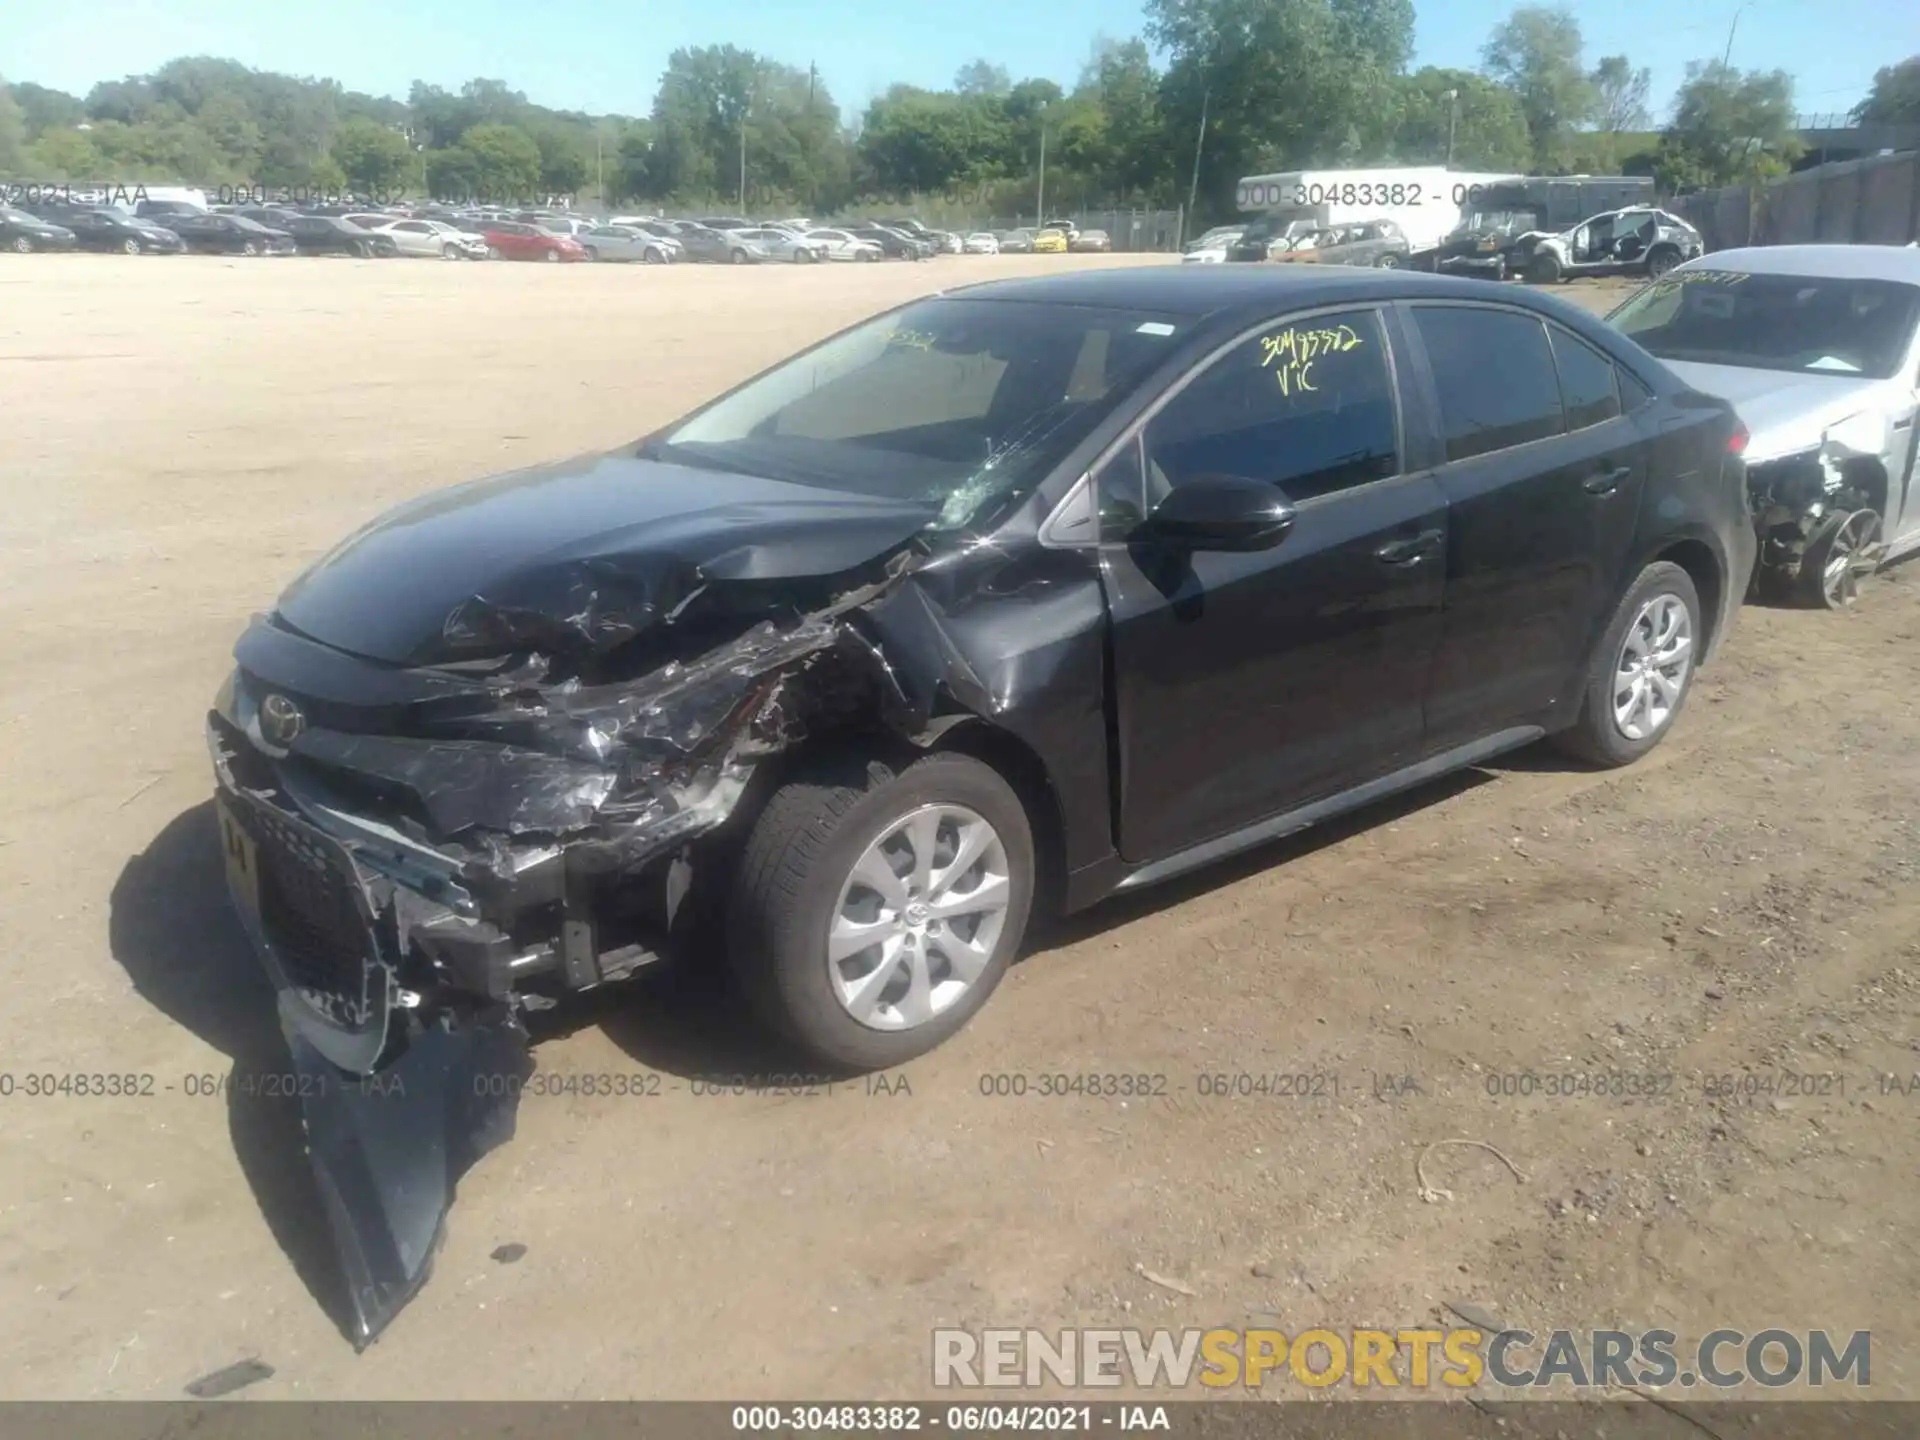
{"type": "Point", "coordinates": [914, 339]}
{"type": "Point", "coordinates": [1291, 354]}
{"type": "Point", "coordinates": [1673, 280]}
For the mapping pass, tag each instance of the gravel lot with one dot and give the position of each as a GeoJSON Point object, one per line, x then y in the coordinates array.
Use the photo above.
{"type": "Point", "coordinates": [182, 436]}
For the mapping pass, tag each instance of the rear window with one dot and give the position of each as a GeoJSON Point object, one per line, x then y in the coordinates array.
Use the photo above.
{"type": "Point", "coordinates": [1494, 373]}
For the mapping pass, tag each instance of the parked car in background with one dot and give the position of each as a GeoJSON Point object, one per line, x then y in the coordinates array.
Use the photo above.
{"type": "Point", "coordinates": [785, 245]}
{"type": "Point", "coordinates": [1641, 240]}
{"type": "Point", "coordinates": [1050, 242]}
{"type": "Point", "coordinates": [517, 240]}
{"type": "Point", "coordinates": [105, 228]}
{"type": "Point", "coordinates": [210, 234]}
{"type": "Point", "coordinates": [844, 245]}
{"type": "Point", "coordinates": [1016, 242]}
{"type": "Point", "coordinates": [23, 232]}
{"type": "Point", "coordinates": [981, 242]}
{"type": "Point", "coordinates": [1818, 348]}
{"type": "Point", "coordinates": [1212, 247]}
{"type": "Point", "coordinates": [330, 235]}
{"type": "Point", "coordinates": [421, 239]}
{"type": "Point", "coordinates": [1375, 243]}
{"type": "Point", "coordinates": [724, 222]}
{"type": "Point", "coordinates": [706, 245]}
{"type": "Point", "coordinates": [893, 244]}
{"type": "Point", "coordinates": [629, 243]}
{"type": "Point", "coordinates": [1090, 242]}
{"type": "Point", "coordinates": [159, 210]}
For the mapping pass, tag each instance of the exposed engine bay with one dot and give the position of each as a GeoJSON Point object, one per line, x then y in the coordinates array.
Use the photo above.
{"type": "Point", "coordinates": [1819, 522]}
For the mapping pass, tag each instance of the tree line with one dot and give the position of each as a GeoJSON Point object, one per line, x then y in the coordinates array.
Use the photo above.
{"type": "Point", "coordinates": [1246, 86]}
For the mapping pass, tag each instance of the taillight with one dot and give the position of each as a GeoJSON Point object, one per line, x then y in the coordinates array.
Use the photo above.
{"type": "Point", "coordinates": [1737, 441]}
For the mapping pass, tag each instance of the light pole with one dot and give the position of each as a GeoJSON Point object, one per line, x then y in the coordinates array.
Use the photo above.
{"type": "Point", "coordinates": [1452, 96]}
{"type": "Point", "coordinates": [1199, 143]}
{"type": "Point", "coordinates": [1733, 25]}
{"type": "Point", "coordinates": [743, 156]}
{"type": "Point", "coordinates": [600, 165]}
{"type": "Point", "coordinates": [1040, 200]}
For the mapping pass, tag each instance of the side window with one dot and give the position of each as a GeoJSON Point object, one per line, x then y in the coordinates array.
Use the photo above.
{"type": "Point", "coordinates": [1307, 405]}
{"type": "Point", "coordinates": [1119, 493]}
{"type": "Point", "coordinates": [1633, 394]}
{"type": "Point", "coordinates": [1587, 388]}
{"type": "Point", "coordinates": [1494, 373]}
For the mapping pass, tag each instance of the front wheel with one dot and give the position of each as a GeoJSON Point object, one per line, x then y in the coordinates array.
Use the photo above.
{"type": "Point", "coordinates": [130, 247]}
{"type": "Point", "coordinates": [493, 252]}
{"type": "Point", "coordinates": [653, 256]}
{"type": "Point", "coordinates": [1661, 260]}
{"type": "Point", "coordinates": [1844, 550]}
{"type": "Point", "coordinates": [553, 257]}
{"type": "Point", "coordinates": [1641, 672]}
{"type": "Point", "coordinates": [252, 247]}
{"type": "Point", "coordinates": [739, 257]}
{"type": "Point", "coordinates": [1543, 270]}
{"type": "Point", "coordinates": [875, 912]}
{"type": "Point", "coordinates": [1388, 262]}
{"type": "Point", "coordinates": [449, 252]}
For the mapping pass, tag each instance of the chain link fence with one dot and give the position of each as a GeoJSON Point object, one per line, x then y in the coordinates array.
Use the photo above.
{"type": "Point", "coordinates": [1128, 230]}
{"type": "Point", "coordinates": [1875, 201]}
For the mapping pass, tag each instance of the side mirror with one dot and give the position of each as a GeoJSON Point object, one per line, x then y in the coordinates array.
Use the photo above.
{"type": "Point", "coordinates": [1220, 512]}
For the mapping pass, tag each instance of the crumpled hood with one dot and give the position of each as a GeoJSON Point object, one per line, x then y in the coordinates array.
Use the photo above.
{"type": "Point", "coordinates": [578, 556]}
{"type": "Point", "coordinates": [1784, 411]}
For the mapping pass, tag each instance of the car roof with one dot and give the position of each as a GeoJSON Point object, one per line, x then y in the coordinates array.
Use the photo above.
{"type": "Point", "coordinates": [1839, 262]}
{"type": "Point", "coordinates": [1206, 290]}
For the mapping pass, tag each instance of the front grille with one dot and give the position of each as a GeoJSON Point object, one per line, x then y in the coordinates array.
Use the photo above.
{"type": "Point", "coordinates": [309, 907]}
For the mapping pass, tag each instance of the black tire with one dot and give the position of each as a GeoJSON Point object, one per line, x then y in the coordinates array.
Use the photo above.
{"type": "Point", "coordinates": [1594, 736]}
{"type": "Point", "coordinates": [493, 252]}
{"type": "Point", "coordinates": [1660, 260]}
{"type": "Point", "coordinates": [1543, 270]}
{"type": "Point", "coordinates": [130, 246]}
{"type": "Point", "coordinates": [23, 244]}
{"type": "Point", "coordinates": [653, 256]}
{"type": "Point", "coordinates": [792, 867]}
{"type": "Point", "coordinates": [1389, 261]}
{"type": "Point", "coordinates": [1837, 544]}
{"type": "Point", "coordinates": [252, 247]}
{"type": "Point", "coordinates": [449, 252]}
{"type": "Point", "coordinates": [739, 257]}
{"type": "Point", "coordinates": [552, 257]}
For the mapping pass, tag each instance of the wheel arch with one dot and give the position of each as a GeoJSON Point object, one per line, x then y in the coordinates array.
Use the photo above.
{"type": "Point", "coordinates": [1704, 568]}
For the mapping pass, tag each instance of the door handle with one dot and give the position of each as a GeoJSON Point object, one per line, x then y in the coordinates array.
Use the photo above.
{"type": "Point", "coordinates": [1410, 550]}
{"type": "Point", "coordinates": [1607, 481]}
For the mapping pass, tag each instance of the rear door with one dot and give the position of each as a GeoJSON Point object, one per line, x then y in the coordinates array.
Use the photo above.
{"type": "Point", "coordinates": [1248, 683]}
{"type": "Point", "coordinates": [1542, 475]}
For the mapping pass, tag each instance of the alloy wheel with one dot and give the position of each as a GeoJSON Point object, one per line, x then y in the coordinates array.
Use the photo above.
{"type": "Point", "coordinates": [1653, 667]}
{"type": "Point", "coordinates": [918, 917]}
{"type": "Point", "coordinates": [1853, 552]}
{"type": "Point", "coordinates": [22, 245]}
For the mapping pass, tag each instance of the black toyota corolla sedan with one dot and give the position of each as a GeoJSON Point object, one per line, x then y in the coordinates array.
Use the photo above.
{"type": "Point", "coordinates": [1025, 593]}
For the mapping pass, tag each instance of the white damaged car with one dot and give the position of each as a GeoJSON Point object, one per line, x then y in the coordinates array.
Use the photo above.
{"type": "Point", "coordinates": [1818, 348]}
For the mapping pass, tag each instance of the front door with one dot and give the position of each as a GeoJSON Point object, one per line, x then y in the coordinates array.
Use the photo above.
{"type": "Point", "coordinates": [1248, 683]}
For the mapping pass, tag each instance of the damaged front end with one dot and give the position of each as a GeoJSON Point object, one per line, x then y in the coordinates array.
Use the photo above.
{"type": "Point", "coordinates": [1818, 514]}
{"type": "Point", "coordinates": [423, 853]}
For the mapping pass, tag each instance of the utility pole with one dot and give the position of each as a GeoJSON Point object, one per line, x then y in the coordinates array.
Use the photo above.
{"type": "Point", "coordinates": [600, 165]}
{"type": "Point", "coordinates": [1727, 58]}
{"type": "Point", "coordinates": [1452, 113]}
{"type": "Point", "coordinates": [813, 186]}
{"type": "Point", "coordinates": [1040, 201]}
{"type": "Point", "coordinates": [1199, 143]}
{"type": "Point", "coordinates": [743, 157]}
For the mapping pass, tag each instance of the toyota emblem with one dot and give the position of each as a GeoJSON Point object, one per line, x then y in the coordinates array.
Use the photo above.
{"type": "Point", "coordinates": [280, 720]}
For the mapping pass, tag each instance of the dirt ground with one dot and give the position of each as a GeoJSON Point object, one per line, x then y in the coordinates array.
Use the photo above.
{"type": "Point", "coordinates": [182, 436]}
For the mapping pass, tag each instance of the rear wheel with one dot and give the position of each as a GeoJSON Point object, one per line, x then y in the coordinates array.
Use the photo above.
{"type": "Point", "coordinates": [1660, 260]}
{"type": "Point", "coordinates": [252, 247]}
{"type": "Point", "coordinates": [1641, 671]}
{"type": "Point", "coordinates": [552, 256]}
{"type": "Point", "coordinates": [1388, 261]}
{"type": "Point", "coordinates": [654, 256]}
{"type": "Point", "coordinates": [493, 252]}
{"type": "Point", "coordinates": [1543, 270]}
{"type": "Point", "coordinates": [362, 250]}
{"type": "Point", "coordinates": [874, 913]}
{"type": "Point", "coordinates": [23, 244]}
{"type": "Point", "coordinates": [739, 257]}
{"type": "Point", "coordinates": [130, 246]}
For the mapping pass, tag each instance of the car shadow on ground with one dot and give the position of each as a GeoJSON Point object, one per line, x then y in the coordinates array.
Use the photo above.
{"type": "Point", "coordinates": [172, 929]}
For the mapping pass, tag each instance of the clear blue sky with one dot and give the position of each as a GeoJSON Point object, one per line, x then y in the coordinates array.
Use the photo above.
{"type": "Point", "coordinates": [602, 55]}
